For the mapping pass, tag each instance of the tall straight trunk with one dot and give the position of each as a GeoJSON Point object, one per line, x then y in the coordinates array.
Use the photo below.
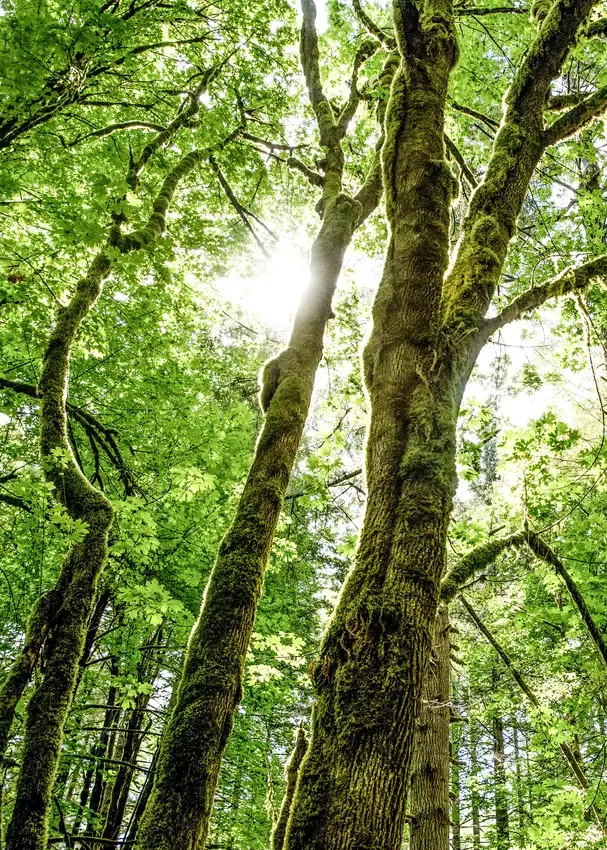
{"type": "Point", "coordinates": [133, 738]}
{"type": "Point", "coordinates": [500, 791]}
{"type": "Point", "coordinates": [456, 793]}
{"type": "Point", "coordinates": [520, 795]}
{"type": "Point", "coordinates": [475, 803]}
{"type": "Point", "coordinates": [428, 329]}
{"type": "Point", "coordinates": [429, 795]}
{"type": "Point", "coordinates": [178, 814]}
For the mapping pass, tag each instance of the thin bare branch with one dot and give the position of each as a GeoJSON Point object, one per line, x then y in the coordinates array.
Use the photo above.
{"type": "Point", "coordinates": [114, 128]}
{"type": "Point", "coordinates": [242, 211]}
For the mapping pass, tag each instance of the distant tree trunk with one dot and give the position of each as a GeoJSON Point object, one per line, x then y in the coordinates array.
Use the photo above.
{"type": "Point", "coordinates": [475, 803]}
{"type": "Point", "coordinates": [291, 771]}
{"type": "Point", "coordinates": [520, 795]}
{"type": "Point", "coordinates": [502, 826]}
{"type": "Point", "coordinates": [429, 794]}
{"type": "Point", "coordinates": [456, 815]}
{"type": "Point", "coordinates": [103, 749]}
{"type": "Point", "coordinates": [132, 740]}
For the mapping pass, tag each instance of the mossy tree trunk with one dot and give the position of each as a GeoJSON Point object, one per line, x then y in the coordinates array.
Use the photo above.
{"type": "Point", "coordinates": [428, 329]}
{"type": "Point", "coordinates": [64, 638]}
{"type": "Point", "coordinates": [178, 814]}
{"type": "Point", "coordinates": [429, 802]}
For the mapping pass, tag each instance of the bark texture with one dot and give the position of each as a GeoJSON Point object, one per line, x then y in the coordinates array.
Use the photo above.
{"type": "Point", "coordinates": [429, 803]}
{"type": "Point", "coordinates": [426, 335]}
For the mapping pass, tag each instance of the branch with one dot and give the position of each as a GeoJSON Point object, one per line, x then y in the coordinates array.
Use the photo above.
{"type": "Point", "coordinates": [15, 502]}
{"type": "Point", "coordinates": [576, 118]}
{"type": "Point", "coordinates": [576, 768]}
{"type": "Point", "coordinates": [242, 211]}
{"type": "Point", "coordinates": [474, 561]}
{"type": "Point", "coordinates": [480, 116]}
{"type": "Point", "coordinates": [370, 193]}
{"type": "Point", "coordinates": [157, 221]}
{"type": "Point", "coordinates": [114, 128]}
{"type": "Point", "coordinates": [569, 280]}
{"type": "Point", "coordinates": [333, 483]}
{"type": "Point", "coordinates": [560, 102]}
{"type": "Point", "coordinates": [312, 176]}
{"type": "Point", "coordinates": [465, 11]}
{"type": "Point", "coordinates": [544, 552]}
{"type": "Point", "coordinates": [98, 432]}
{"type": "Point", "coordinates": [372, 28]}
{"type": "Point", "coordinates": [323, 111]}
{"type": "Point", "coordinates": [457, 156]}
{"type": "Point", "coordinates": [365, 50]}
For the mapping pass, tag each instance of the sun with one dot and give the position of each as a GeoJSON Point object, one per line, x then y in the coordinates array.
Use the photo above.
{"type": "Point", "coordinates": [272, 294]}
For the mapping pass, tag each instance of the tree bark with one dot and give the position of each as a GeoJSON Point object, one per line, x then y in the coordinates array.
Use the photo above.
{"type": "Point", "coordinates": [427, 333]}
{"type": "Point", "coordinates": [475, 803]}
{"type": "Point", "coordinates": [502, 825]}
{"type": "Point", "coordinates": [429, 795]}
{"type": "Point", "coordinates": [291, 771]}
{"type": "Point", "coordinates": [178, 814]}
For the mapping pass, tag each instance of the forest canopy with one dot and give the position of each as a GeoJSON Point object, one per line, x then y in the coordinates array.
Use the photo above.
{"type": "Point", "coordinates": [303, 425]}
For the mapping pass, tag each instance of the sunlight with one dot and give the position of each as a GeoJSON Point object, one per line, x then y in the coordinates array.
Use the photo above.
{"type": "Point", "coordinates": [273, 294]}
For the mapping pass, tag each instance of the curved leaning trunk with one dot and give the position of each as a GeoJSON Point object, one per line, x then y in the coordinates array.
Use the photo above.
{"type": "Point", "coordinates": [177, 816]}
{"type": "Point", "coordinates": [23, 666]}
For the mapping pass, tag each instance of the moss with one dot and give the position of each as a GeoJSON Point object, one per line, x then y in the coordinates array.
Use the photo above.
{"type": "Point", "coordinates": [291, 773]}
{"type": "Point", "coordinates": [540, 10]}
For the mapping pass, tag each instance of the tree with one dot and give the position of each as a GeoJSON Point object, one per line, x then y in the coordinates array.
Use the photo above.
{"type": "Point", "coordinates": [428, 330]}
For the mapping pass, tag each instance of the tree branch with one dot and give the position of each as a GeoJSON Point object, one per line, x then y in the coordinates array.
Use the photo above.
{"type": "Point", "coordinates": [572, 121]}
{"type": "Point", "coordinates": [365, 50]}
{"type": "Point", "coordinates": [242, 211]}
{"type": "Point", "coordinates": [475, 561]}
{"type": "Point", "coordinates": [576, 768]}
{"type": "Point", "coordinates": [569, 280]}
{"type": "Point", "coordinates": [312, 176]}
{"type": "Point", "coordinates": [372, 28]}
{"type": "Point", "coordinates": [310, 64]}
{"type": "Point", "coordinates": [466, 11]}
{"type": "Point", "coordinates": [545, 553]}
{"type": "Point", "coordinates": [457, 156]}
{"type": "Point", "coordinates": [114, 128]}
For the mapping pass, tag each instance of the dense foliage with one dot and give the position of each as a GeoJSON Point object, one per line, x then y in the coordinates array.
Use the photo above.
{"type": "Point", "coordinates": [99, 105]}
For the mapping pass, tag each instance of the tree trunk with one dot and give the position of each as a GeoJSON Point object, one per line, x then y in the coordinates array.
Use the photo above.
{"type": "Point", "coordinates": [429, 794]}
{"type": "Point", "coordinates": [520, 795]}
{"type": "Point", "coordinates": [353, 780]}
{"type": "Point", "coordinates": [428, 328]}
{"type": "Point", "coordinates": [197, 732]}
{"type": "Point", "coordinates": [456, 816]}
{"type": "Point", "coordinates": [291, 771]}
{"type": "Point", "coordinates": [502, 827]}
{"type": "Point", "coordinates": [178, 814]}
{"type": "Point", "coordinates": [475, 803]}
